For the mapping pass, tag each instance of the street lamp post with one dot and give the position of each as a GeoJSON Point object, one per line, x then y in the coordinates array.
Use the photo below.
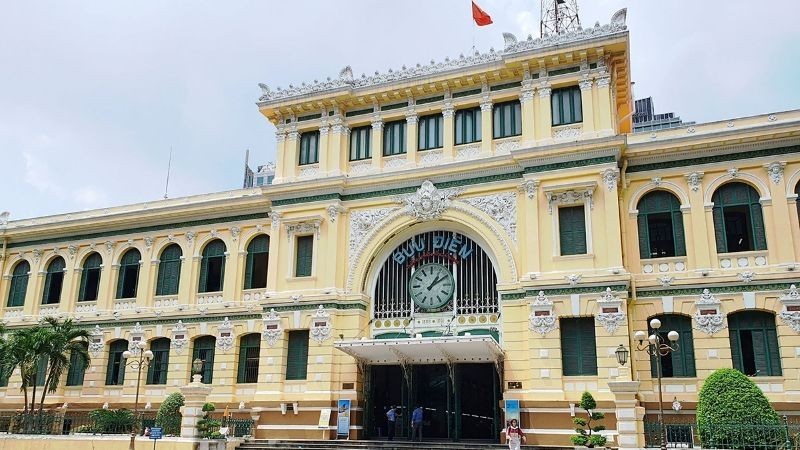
{"type": "Point", "coordinates": [143, 358]}
{"type": "Point", "coordinates": [656, 348]}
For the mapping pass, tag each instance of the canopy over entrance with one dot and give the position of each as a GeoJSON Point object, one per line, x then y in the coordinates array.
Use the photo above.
{"type": "Point", "coordinates": [425, 350]}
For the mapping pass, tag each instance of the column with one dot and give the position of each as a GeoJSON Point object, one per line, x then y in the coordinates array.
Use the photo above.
{"type": "Point", "coordinates": [280, 154]}
{"type": "Point", "coordinates": [324, 145]}
{"type": "Point", "coordinates": [448, 122]}
{"type": "Point", "coordinates": [526, 103]}
{"type": "Point", "coordinates": [33, 293]}
{"type": "Point", "coordinates": [291, 154]}
{"type": "Point", "coordinates": [611, 220]}
{"type": "Point", "coordinates": [195, 395]}
{"type": "Point", "coordinates": [630, 416]}
{"type": "Point", "coordinates": [529, 219]}
{"type": "Point", "coordinates": [606, 112]}
{"type": "Point", "coordinates": [337, 151]}
{"type": "Point", "coordinates": [699, 224]}
{"type": "Point", "coordinates": [587, 106]}
{"type": "Point", "coordinates": [230, 279]}
{"type": "Point", "coordinates": [543, 112]}
{"type": "Point", "coordinates": [781, 212]}
{"type": "Point", "coordinates": [486, 123]}
{"type": "Point", "coordinates": [377, 141]}
{"type": "Point", "coordinates": [275, 242]}
{"type": "Point", "coordinates": [412, 130]}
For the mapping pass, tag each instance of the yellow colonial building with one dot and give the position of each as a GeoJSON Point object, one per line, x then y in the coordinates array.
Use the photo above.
{"type": "Point", "coordinates": [452, 235]}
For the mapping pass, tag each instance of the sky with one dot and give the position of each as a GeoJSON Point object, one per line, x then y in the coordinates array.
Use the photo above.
{"type": "Point", "coordinates": [93, 94]}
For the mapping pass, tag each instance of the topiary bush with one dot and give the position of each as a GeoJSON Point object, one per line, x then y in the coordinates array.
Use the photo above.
{"type": "Point", "coordinates": [732, 412]}
{"type": "Point", "coordinates": [169, 414]}
{"type": "Point", "coordinates": [207, 427]}
{"type": "Point", "coordinates": [588, 435]}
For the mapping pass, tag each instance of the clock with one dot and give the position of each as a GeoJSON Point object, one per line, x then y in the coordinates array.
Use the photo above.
{"type": "Point", "coordinates": [431, 286]}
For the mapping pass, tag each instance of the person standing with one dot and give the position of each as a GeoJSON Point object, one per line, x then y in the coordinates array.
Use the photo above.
{"type": "Point", "coordinates": [416, 424]}
{"type": "Point", "coordinates": [514, 435]}
{"type": "Point", "coordinates": [391, 421]}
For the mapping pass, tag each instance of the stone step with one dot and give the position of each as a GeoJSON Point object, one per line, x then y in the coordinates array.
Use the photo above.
{"type": "Point", "coordinates": [274, 444]}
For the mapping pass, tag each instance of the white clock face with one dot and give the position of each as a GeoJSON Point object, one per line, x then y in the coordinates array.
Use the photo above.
{"type": "Point", "coordinates": [431, 286]}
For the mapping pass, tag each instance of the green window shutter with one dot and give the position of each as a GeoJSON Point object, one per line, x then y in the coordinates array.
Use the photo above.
{"type": "Point", "coordinates": [304, 256]}
{"type": "Point", "coordinates": [115, 370]}
{"type": "Point", "coordinates": [572, 230]}
{"type": "Point", "coordinates": [588, 347]}
{"type": "Point", "coordinates": [169, 270]}
{"type": "Point", "coordinates": [566, 106]}
{"type": "Point", "coordinates": [203, 349]}
{"type": "Point", "coordinates": [19, 284]}
{"type": "Point", "coordinates": [256, 251]}
{"type": "Point", "coordinates": [203, 275]}
{"type": "Point", "coordinates": [682, 360]}
{"type": "Point", "coordinates": [773, 352]}
{"type": "Point", "coordinates": [757, 218]}
{"type": "Point", "coordinates": [249, 350]}
{"type": "Point", "coordinates": [644, 239]}
{"type": "Point", "coordinates": [719, 229]}
{"type": "Point", "coordinates": [159, 365]}
{"type": "Point", "coordinates": [677, 229]}
{"type": "Point", "coordinates": [248, 270]}
{"type": "Point", "coordinates": [760, 352]}
{"type": "Point", "coordinates": [297, 355]}
{"type": "Point", "coordinates": [736, 350]}
{"type": "Point", "coordinates": [77, 370]}
{"type": "Point", "coordinates": [570, 347]}
{"type": "Point", "coordinates": [41, 370]}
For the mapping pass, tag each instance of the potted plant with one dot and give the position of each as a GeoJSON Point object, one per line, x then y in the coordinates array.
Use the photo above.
{"type": "Point", "coordinates": [588, 435]}
{"type": "Point", "coordinates": [208, 429]}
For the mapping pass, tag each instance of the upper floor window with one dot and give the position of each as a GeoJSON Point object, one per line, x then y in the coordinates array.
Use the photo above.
{"type": "Point", "coordinates": [309, 147]}
{"type": "Point", "coordinates": [169, 270]}
{"type": "Point", "coordinates": [578, 346]}
{"type": "Point", "coordinates": [754, 343]}
{"type": "Point", "coordinates": [159, 365]}
{"type": "Point", "coordinates": [249, 352]}
{"type": "Point", "coordinates": [212, 267]}
{"type": "Point", "coordinates": [115, 370]}
{"type": "Point", "coordinates": [361, 143]}
{"type": "Point", "coordinates": [204, 351]}
{"type": "Point", "coordinates": [53, 281]}
{"type": "Point", "coordinates": [19, 284]}
{"type": "Point", "coordinates": [468, 125]}
{"type": "Point", "coordinates": [255, 271]}
{"type": "Point", "coordinates": [90, 278]}
{"type": "Point", "coordinates": [660, 223]}
{"type": "Point", "coordinates": [431, 134]}
{"type": "Point", "coordinates": [128, 274]}
{"type": "Point", "coordinates": [572, 230]}
{"type": "Point", "coordinates": [394, 138]}
{"type": "Point", "coordinates": [678, 363]}
{"type": "Point", "coordinates": [507, 119]}
{"type": "Point", "coordinates": [738, 221]}
{"type": "Point", "coordinates": [304, 256]}
{"type": "Point", "coordinates": [566, 104]}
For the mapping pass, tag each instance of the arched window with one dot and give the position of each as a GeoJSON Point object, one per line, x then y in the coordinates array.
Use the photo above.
{"type": "Point", "coordinates": [679, 363]}
{"type": "Point", "coordinates": [53, 281]}
{"type": "Point", "coordinates": [204, 350]}
{"type": "Point", "coordinates": [90, 278]}
{"type": "Point", "coordinates": [115, 371]}
{"type": "Point", "coordinates": [738, 222]}
{"type": "Point", "coordinates": [157, 372]}
{"type": "Point", "coordinates": [128, 274]}
{"type": "Point", "coordinates": [255, 272]}
{"type": "Point", "coordinates": [754, 343]}
{"type": "Point", "coordinates": [19, 284]}
{"type": "Point", "coordinates": [249, 351]}
{"type": "Point", "coordinates": [169, 270]}
{"type": "Point", "coordinates": [77, 367]}
{"type": "Point", "coordinates": [660, 224]}
{"type": "Point", "coordinates": [212, 267]}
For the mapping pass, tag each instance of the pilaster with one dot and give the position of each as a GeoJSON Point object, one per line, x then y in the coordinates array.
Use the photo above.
{"type": "Point", "coordinates": [486, 122]}
{"type": "Point", "coordinates": [605, 107]}
{"type": "Point", "coordinates": [337, 146]}
{"type": "Point", "coordinates": [527, 106]}
{"type": "Point", "coordinates": [448, 122]}
{"type": "Point", "coordinates": [280, 152]}
{"type": "Point", "coordinates": [780, 212]}
{"type": "Point", "coordinates": [412, 131]}
{"type": "Point", "coordinates": [377, 141]}
{"type": "Point", "coordinates": [587, 104]}
{"type": "Point", "coordinates": [291, 152]}
{"type": "Point", "coordinates": [630, 416]}
{"type": "Point", "coordinates": [325, 156]}
{"type": "Point", "coordinates": [543, 112]}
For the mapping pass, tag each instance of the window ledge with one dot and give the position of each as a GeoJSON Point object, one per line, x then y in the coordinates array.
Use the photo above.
{"type": "Point", "coordinates": [297, 279]}
{"type": "Point", "coordinates": [664, 259]}
{"type": "Point", "coordinates": [573, 257]}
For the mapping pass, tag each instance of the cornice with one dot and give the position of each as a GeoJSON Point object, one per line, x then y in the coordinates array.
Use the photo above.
{"type": "Point", "coordinates": [719, 289]}
{"type": "Point", "coordinates": [714, 155]}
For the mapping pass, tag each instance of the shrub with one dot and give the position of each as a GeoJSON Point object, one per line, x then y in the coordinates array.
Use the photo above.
{"type": "Point", "coordinates": [588, 435]}
{"type": "Point", "coordinates": [728, 404]}
{"type": "Point", "coordinates": [112, 421]}
{"type": "Point", "coordinates": [169, 414]}
{"type": "Point", "coordinates": [207, 427]}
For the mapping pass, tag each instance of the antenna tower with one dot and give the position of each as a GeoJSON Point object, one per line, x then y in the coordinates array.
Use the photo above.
{"type": "Point", "coordinates": [559, 16]}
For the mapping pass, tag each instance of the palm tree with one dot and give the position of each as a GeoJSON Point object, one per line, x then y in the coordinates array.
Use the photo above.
{"type": "Point", "coordinates": [27, 347]}
{"type": "Point", "coordinates": [65, 341]}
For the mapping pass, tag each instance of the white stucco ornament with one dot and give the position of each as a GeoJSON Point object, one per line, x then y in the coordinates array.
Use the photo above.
{"type": "Point", "coordinates": [272, 327]}
{"type": "Point", "coordinates": [180, 337]}
{"type": "Point", "coordinates": [501, 207]}
{"type": "Point", "coordinates": [225, 338]}
{"type": "Point", "coordinates": [321, 325]}
{"type": "Point", "coordinates": [707, 315]}
{"type": "Point", "coordinates": [791, 308]}
{"type": "Point", "coordinates": [96, 341]}
{"type": "Point", "coordinates": [429, 202]}
{"type": "Point", "coordinates": [541, 319]}
{"type": "Point", "coordinates": [610, 314]}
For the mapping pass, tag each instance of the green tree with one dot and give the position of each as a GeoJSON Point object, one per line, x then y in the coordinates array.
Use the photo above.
{"type": "Point", "coordinates": [64, 340]}
{"type": "Point", "coordinates": [169, 414]}
{"type": "Point", "coordinates": [27, 347]}
{"type": "Point", "coordinates": [588, 435]}
{"type": "Point", "coordinates": [730, 411]}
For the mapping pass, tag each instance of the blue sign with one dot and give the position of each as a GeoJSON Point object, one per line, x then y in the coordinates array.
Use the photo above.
{"type": "Point", "coordinates": [343, 418]}
{"type": "Point", "coordinates": [156, 433]}
{"type": "Point", "coordinates": [512, 411]}
{"type": "Point", "coordinates": [453, 245]}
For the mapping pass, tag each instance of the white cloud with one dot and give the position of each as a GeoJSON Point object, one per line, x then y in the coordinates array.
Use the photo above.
{"type": "Point", "coordinates": [89, 197]}
{"type": "Point", "coordinates": [526, 23]}
{"type": "Point", "coordinates": [38, 174]}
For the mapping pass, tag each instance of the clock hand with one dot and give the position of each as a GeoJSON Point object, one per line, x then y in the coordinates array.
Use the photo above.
{"type": "Point", "coordinates": [435, 282]}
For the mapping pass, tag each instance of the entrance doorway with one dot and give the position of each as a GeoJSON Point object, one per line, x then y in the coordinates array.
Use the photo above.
{"type": "Point", "coordinates": [462, 405]}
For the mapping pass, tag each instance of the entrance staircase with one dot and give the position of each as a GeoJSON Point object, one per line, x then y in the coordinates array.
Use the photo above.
{"type": "Point", "coordinates": [272, 444]}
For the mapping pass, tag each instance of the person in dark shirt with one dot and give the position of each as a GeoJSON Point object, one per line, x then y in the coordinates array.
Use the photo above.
{"type": "Point", "coordinates": [391, 421]}
{"type": "Point", "coordinates": [416, 424]}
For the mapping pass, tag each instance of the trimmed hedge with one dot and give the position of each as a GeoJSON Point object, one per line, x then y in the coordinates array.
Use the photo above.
{"type": "Point", "coordinates": [728, 401]}
{"type": "Point", "coordinates": [169, 414]}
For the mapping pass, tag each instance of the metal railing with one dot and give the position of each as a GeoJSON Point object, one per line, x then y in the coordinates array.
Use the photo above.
{"type": "Point", "coordinates": [689, 434]}
{"type": "Point", "coordinates": [237, 427]}
{"type": "Point", "coordinates": [58, 423]}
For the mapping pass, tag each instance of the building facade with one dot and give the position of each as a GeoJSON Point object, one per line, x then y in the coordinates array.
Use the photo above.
{"type": "Point", "coordinates": [453, 235]}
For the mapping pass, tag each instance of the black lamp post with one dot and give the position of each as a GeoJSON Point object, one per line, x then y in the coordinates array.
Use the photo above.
{"type": "Point", "coordinates": [143, 360]}
{"type": "Point", "coordinates": [657, 347]}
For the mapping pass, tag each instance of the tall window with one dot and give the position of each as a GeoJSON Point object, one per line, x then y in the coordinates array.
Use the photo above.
{"type": "Point", "coordinates": [679, 363]}
{"type": "Point", "coordinates": [360, 142]}
{"type": "Point", "coordinates": [115, 371]}
{"type": "Point", "coordinates": [204, 350]}
{"type": "Point", "coordinates": [255, 271]}
{"type": "Point", "coordinates": [159, 365]}
{"type": "Point", "coordinates": [660, 224]}
{"type": "Point", "coordinates": [169, 270]}
{"type": "Point", "coordinates": [797, 200]}
{"type": "Point", "coordinates": [566, 103]}
{"type": "Point", "coordinates": [297, 355]}
{"type": "Point", "coordinates": [77, 368]}
{"type": "Point", "coordinates": [42, 362]}
{"type": "Point", "coordinates": [738, 222]}
{"type": "Point", "coordinates": [53, 281]}
{"type": "Point", "coordinates": [754, 343]}
{"type": "Point", "coordinates": [431, 134]}
{"type": "Point", "coordinates": [128, 274]}
{"type": "Point", "coordinates": [304, 256]}
{"type": "Point", "coordinates": [309, 148]}
{"type": "Point", "coordinates": [394, 138]}
{"type": "Point", "coordinates": [578, 346]}
{"type": "Point", "coordinates": [507, 119]}
{"type": "Point", "coordinates": [572, 230]}
{"type": "Point", "coordinates": [212, 267]}
{"type": "Point", "coordinates": [468, 125]}
{"type": "Point", "coordinates": [249, 351]}
{"type": "Point", "coordinates": [19, 284]}
{"type": "Point", "coordinates": [90, 278]}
